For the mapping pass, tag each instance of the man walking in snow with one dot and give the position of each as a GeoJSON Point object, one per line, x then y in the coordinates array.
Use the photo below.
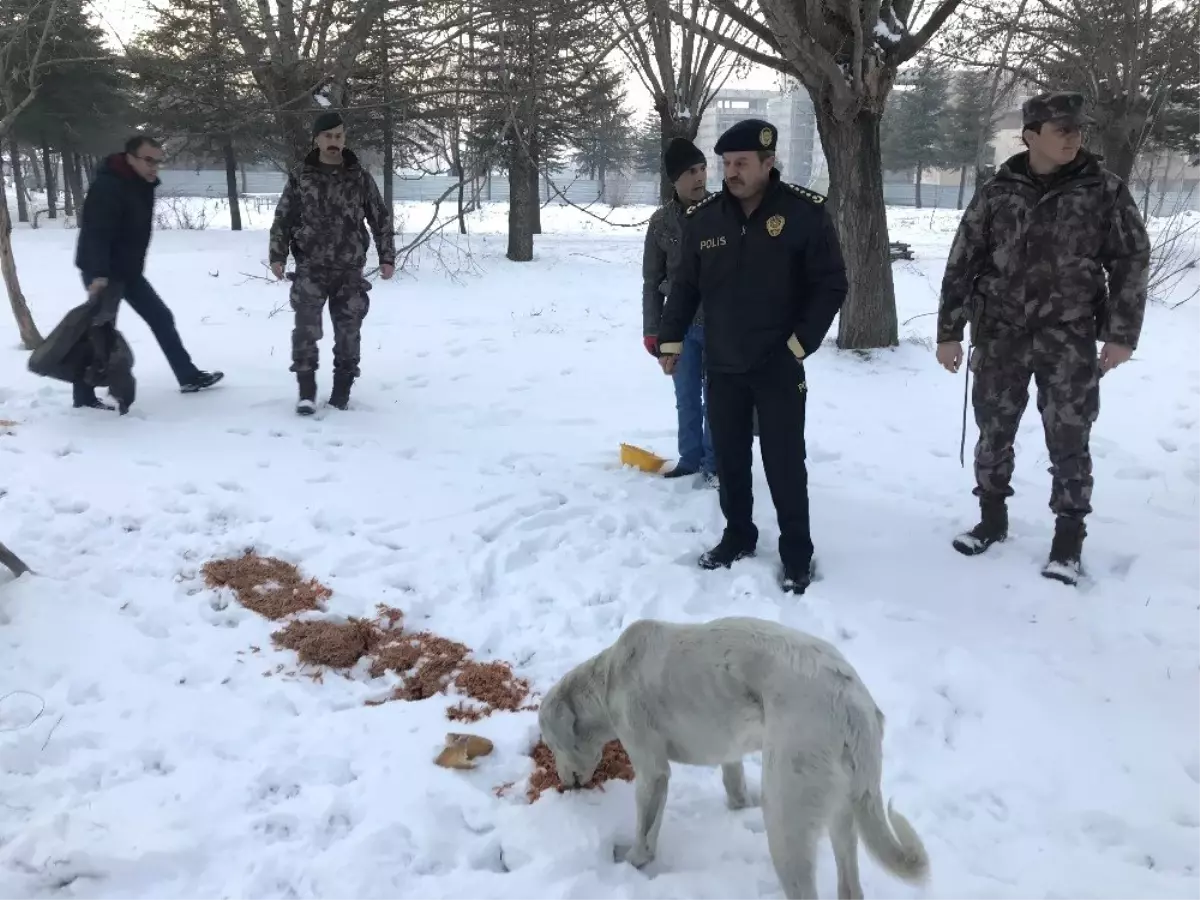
{"type": "Point", "coordinates": [320, 221]}
{"type": "Point", "coordinates": [114, 235]}
{"type": "Point", "coordinates": [1051, 256]}
{"type": "Point", "coordinates": [763, 260]}
{"type": "Point", "coordinates": [687, 170]}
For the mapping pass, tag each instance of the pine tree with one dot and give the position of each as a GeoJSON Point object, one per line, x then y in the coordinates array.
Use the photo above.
{"type": "Point", "coordinates": [190, 74]}
{"type": "Point", "coordinates": [607, 143]}
{"type": "Point", "coordinates": [539, 87]}
{"type": "Point", "coordinates": [967, 118]}
{"type": "Point", "coordinates": [912, 133]}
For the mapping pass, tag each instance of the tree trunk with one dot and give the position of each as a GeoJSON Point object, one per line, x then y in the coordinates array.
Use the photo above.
{"type": "Point", "coordinates": [917, 195]}
{"type": "Point", "coordinates": [522, 206]}
{"type": "Point", "coordinates": [51, 191]}
{"type": "Point", "coordinates": [39, 172]}
{"type": "Point", "coordinates": [389, 159]}
{"type": "Point", "coordinates": [1119, 146]}
{"type": "Point", "coordinates": [231, 185]}
{"type": "Point", "coordinates": [962, 185]}
{"type": "Point", "coordinates": [671, 127]}
{"type": "Point", "coordinates": [77, 179]}
{"type": "Point", "coordinates": [14, 151]}
{"type": "Point", "coordinates": [31, 339]}
{"type": "Point", "coordinates": [12, 562]}
{"type": "Point", "coordinates": [868, 318]}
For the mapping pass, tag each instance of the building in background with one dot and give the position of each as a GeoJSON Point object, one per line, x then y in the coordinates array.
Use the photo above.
{"type": "Point", "coordinates": [798, 148]}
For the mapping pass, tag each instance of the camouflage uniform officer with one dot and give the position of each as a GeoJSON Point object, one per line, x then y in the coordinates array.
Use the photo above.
{"type": "Point", "coordinates": [1051, 256]}
{"type": "Point", "coordinates": [687, 170]}
{"type": "Point", "coordinates": [320, 220]}
{"type": "Point", "coordinates": [762, 258]}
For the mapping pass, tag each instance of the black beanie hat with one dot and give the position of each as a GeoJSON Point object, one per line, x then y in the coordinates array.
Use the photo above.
{"type": "Point", "coordinates": [681, 154]}
{"type": "Point", "coordinates": [326, 121]}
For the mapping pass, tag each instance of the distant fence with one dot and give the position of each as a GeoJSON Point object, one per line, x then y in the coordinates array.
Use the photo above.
{"type": "Point", "coordinates": [618, 191]}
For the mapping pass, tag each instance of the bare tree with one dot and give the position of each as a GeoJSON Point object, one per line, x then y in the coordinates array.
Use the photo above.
{"type": "Point", "coordinates": [22, 44]}
{"type": "Point", "coordinates": [1135, 60]}
{"type": "Point", "coordinates": [297, 54]}
{"type": "Point", "coordinates": [681, 67]}
{"type": "Point", "coordinates": [846, 53]}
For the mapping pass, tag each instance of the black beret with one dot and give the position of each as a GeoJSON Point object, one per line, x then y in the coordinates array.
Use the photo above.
{"type": "Point", "coordinates": [748, 134]}
{"type": "Point", "coordinates": [681, 154]}
{"type": "Point", "coordinates": [326, 121]}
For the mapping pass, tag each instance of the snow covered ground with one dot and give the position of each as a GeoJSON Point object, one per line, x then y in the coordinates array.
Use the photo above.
{"type": "Point", "coordinates": [1043, 740]}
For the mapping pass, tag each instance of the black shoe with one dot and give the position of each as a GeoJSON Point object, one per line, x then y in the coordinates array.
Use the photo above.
{"type": "Point", "coordinates": [91, 403]}
{"type": "Point", "coordinates": [795, 579]}
{"type": "Point", "coordinates": [681, 471]}
{"type": "Point", "coordinates": [724, 555]}
{"type": "Point", "coordinates": [992, 529]}
{"type": "Point", "coordinates": [340, 396]}
{"type": "Point", "coordinates": [307, 404]}
{"type": "Point", "coordinates": [200, 382]}
{"type": "Point", "coordinates": [1065, 551]}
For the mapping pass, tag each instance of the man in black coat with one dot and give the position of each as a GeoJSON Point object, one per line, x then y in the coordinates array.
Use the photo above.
{"type": "Point", "coordinates": [114, 235]}
{"type": "Point", "coordinates": [763, 260]}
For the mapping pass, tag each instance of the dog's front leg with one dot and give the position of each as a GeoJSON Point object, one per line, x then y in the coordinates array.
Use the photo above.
{"type": "Point", "coordinates": [650, 795]}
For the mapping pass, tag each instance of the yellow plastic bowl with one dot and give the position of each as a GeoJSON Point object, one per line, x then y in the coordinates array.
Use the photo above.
{"type": "Point", "coordinates": [640, 459]}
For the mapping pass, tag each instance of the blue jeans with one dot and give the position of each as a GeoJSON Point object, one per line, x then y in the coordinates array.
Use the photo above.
{"type": "Point", "coordinates": [691, 403]}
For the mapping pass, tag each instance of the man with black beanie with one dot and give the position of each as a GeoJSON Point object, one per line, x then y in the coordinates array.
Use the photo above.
{"type": "Point", "coordinates": [687, 170]}
{"type": "Point", "coordinates": [320, 221]}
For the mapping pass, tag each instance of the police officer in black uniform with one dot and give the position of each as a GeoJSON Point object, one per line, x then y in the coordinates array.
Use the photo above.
{"type": "Point", "coordinates": [763, 259]}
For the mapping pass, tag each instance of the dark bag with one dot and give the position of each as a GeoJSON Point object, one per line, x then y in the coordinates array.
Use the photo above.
{"type": "Point", "coordinates": [86, 347]}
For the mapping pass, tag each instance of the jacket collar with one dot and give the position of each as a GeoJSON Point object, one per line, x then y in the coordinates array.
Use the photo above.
{"type": "Point", "coordinates": [313, 159]}
{"type": "Point", "coordinates": [1016, 168]}
{"type": "Point", "coordinates": [119, 166]}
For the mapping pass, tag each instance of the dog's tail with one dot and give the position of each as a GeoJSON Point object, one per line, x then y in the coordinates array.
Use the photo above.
{"type": "Point", "coordinates": [889, 837]}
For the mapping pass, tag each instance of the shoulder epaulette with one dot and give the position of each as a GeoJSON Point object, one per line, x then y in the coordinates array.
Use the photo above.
{"type": "Point", "coordinates": [810, 196]}
{"type": "Point", "coordinates": [703, 203]}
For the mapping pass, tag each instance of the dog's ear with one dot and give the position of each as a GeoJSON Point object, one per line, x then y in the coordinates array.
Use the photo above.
{"type": "Point", "coordinates": [558, 713]}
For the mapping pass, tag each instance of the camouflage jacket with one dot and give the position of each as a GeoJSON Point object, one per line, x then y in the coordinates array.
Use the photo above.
{"type": "Point", "coordinates": [1034, 252]}
{"type": "Point", "coordinates": [320, 217]}
{"type": "Point", "coordinates": [659, 256]}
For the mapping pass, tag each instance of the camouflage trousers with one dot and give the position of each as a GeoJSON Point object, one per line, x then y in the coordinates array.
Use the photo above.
{"type": "Point", "coordinates": [346, 292]}
{"type": "Point", "coordinates": [1063, 363]}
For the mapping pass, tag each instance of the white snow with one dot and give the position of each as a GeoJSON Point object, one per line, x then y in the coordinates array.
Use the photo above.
{"type": "Point", "coordinates": [1041, 738]}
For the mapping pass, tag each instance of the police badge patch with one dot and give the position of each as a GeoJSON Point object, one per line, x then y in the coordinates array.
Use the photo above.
{"type": "Point", "coordinates": [775, 226]}
{"type": "Point", "coordinates": [764, 137]}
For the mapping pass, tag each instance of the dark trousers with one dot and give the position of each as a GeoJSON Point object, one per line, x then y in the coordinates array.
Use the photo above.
{"type": "Point", "coordinates": [778, 391]}
{"type": "Point", "coordinates": [144, 300]}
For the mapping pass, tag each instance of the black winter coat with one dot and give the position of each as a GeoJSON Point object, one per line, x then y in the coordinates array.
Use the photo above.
{"type": "Point", "coordinates": [115, 223]}
{"type": "Point", "coordinates": [86, 347]}
{"type": "Point", "coordinates": [768, 284]}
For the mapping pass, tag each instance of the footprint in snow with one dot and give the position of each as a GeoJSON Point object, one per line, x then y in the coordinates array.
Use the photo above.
{"type": "Point", "coordinates": [1167, 444]}
{"type": "Point", "coordinates": [1136, 473]}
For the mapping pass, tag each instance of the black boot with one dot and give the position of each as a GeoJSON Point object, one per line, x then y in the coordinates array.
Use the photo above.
{"type": "Point", "coordinates": [307, 404]}
{"type": "Point", "coordinates": [795, 579]}
{"type": "Point", "coordinates": [1065, 551]}
{"type": "Point", "coordinates": [725, 554]}
{"type": "Point", "coordinates": [340, 396]}
{"type": "Point", "coordinates": [84, 397]}
{"type": "Point", "coordinates": [992, 528]}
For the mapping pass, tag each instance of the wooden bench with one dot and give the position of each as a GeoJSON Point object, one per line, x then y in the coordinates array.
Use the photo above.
{"type": "Point", "coordinates": [898, 250]}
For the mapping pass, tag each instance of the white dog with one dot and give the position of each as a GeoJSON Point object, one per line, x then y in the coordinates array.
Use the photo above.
{"type": "Point", "coordinates": [709, 694]}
